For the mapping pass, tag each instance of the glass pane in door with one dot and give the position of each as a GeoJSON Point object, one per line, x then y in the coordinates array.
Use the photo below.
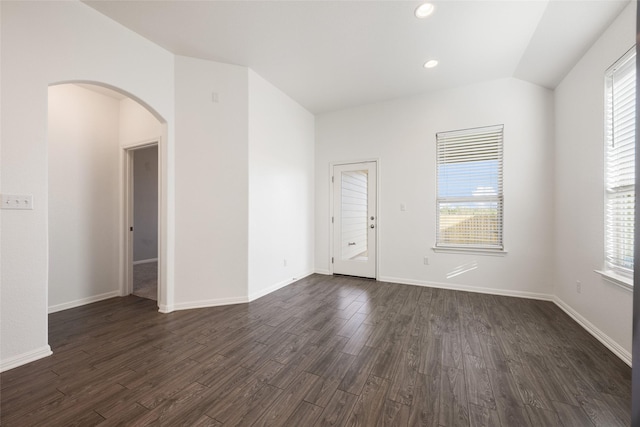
{"type": "Point", "coordinates": [353, 233]}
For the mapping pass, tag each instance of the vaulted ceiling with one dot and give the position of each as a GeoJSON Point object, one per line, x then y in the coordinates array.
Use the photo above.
{"type": "Point", "coordinates": [330, 55]}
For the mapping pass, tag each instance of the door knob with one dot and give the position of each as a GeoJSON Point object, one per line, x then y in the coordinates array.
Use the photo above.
{"type": "Point", "coordinates": [372, 226]}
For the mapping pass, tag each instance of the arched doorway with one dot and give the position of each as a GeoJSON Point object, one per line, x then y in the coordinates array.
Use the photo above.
{"type": "Point", "coordinates": [93, 130]}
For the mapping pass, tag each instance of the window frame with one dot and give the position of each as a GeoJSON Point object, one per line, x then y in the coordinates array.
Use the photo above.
{"type": "Point", "coordinates": [614, 164]}
{"type": "Point", "coordinates": [476, 135]}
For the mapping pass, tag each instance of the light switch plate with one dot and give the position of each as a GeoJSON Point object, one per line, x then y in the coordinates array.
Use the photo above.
{"type": "Point", "coordinates": [17, 201]}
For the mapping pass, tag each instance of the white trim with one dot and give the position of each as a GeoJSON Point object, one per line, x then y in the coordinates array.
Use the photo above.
{"type": "Point", "coordinates": [145, 261]}
{"type": "Point", "coordinates": [232, 300]}
{"type": "Point", "coordinates": [254, 296]}
{"type": "Point", "coordinates": [209, 303]}
{"type": "Point", "coordinates": [24, 358]}
{"type": "Point", "coordinates": [608, 342]}
{"type": "Point", "coordinates": [331, 178]}
{"type": "Point", "coordinates": [165, 309]}
{"type": "Point", "coordinates": [323, 271]}
{"type": "Point", "coordinates": [466, 288]}
{"type": "Point", "coordinates": [83, 301]}
{"type": "Point", "coordinates": [616, 279]}
{"type": "Point", "coordinates": [473, 251]}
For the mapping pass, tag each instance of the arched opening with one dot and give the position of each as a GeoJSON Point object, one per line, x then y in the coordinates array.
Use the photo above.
{"type": "Point", "coordinates": [94, 131]}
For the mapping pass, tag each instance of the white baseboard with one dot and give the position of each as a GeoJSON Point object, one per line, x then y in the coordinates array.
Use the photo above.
{"type": "Point", "coordinates": [165, 309]}
{"type": "Point", "coordinates": [480, 290]}
{"type": "Point", "coordinates": [145, 261]}
{"type": "Point", "coordinates": [254, 296]}
{"type": "Point", "coordinates": [323, 271]}
{"type": "Point", "coordinates": [83, 301]}
{"type": "Point", "coordinates": [24, 358]}
{"type": "Point", "coordinates": [616, 348]}
{"type": "Point", "coordinates": [206, 303]}
{"type": "Point", "coordinates": [231, 300]}
{"type": "Point", "coordinates": [612, 345]}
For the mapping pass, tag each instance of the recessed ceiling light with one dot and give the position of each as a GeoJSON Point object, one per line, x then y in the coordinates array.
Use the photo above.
{"type": "Point", "coordinates": [424, 10]}
{"type": "Point", "coordinates": [431, 63]}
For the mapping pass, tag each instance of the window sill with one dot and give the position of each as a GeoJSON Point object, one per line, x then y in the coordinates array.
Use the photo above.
{"type": "Point", "coordinates": [474, 251]}
{"type": "Point", "coordinates": [616, 279]}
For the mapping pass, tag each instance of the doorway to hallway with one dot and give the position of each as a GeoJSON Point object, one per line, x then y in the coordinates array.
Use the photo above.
{"type": "Point", "coordinates": [143, 173]}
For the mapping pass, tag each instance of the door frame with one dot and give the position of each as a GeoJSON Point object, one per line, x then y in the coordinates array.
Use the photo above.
{"type": "Point", "coordinates": [126, 285]}
{"type": "Point", "coordinates": [331, 212]}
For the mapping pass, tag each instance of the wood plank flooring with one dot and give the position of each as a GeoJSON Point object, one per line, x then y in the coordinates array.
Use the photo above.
{"type": "Point", "coordinates": [324, 351]}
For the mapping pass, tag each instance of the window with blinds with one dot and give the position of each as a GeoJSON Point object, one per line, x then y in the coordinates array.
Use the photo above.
{"type": "Point", "coordinates": [469, 187]}
{"type": "Point", "coordinates": [620, 88]}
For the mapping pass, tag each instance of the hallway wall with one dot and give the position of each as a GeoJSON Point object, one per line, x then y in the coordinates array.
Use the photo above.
{"type": "Point", "coordinates": [83, 196]}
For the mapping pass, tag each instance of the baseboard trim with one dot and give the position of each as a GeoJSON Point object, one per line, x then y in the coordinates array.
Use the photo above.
{"type": "Point", "coordinates": [165, 309]}
{"type": "Point", "coordinates": [231, 300]}
{"type": "Point", "coordinates": [83, 301]}
{"type": "Point", "coordinates": [322, 271]}
{"type": "Point", "coordinates": [607, 341]}
{"type": "Point", "coordinates": [145, 261]}
{"type": "Point", "coordinates": [612, 345]}
{"type": "Point", "coordinates": [480, 290]}
{"type": "Point", "coordinates": [616, 348]}
{"type": "Point", "coordinates": [208, 303]}
{"type": "Point", "coordinates": [24, 358]}
{"type": "Point", "coordinates": [254, 296]}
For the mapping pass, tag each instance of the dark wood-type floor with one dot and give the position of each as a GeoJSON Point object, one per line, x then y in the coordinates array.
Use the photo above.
{"type": "Point", "coordinates": [321, 352]}
{"type": "Point", "coordinates": [145, 280]}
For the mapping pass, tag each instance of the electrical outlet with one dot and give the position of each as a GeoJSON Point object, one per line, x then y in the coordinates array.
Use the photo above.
{"type": "Point", "coordinates": [578, 286]}
{"type": "Point", "coordinates": [284, 262]}
{"type": "Point", "coordinates": [425, 261]}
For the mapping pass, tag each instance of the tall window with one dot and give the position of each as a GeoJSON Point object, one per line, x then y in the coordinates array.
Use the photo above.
{"type": "Point", "coordinates": [620, 87]}
{"type": "Point", "coordinates": [469, 181]}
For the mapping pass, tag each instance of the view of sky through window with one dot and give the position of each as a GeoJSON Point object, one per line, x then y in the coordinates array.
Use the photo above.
{"type": "Point", "coordinates": [478, 178]}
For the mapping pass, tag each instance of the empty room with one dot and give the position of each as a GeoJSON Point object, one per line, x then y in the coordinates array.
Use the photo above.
{"type": "Point", "coordinates": [318, 213]}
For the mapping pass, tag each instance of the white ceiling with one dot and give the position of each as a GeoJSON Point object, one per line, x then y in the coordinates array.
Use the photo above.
{"type": "Point", "coordinates": [329, 55]}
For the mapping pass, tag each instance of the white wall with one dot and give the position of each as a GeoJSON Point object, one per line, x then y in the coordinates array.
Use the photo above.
{"type": "Point", "coordinates": [281, 188]}
{"type": "Point", "coordinates": [212, 183]}
{"type": "Point", "coordinates": [137, 124]}
{"type": "Point", "coordinates": [244, 185]}
{"type": "Point", "coordinates": [83, 196]}
{"type": "Point", "coordinates": [401, 134]}
{"type": "Point", "coordinates": [579, 200]}
{"type": "Point", "coordinates": [44, 43]}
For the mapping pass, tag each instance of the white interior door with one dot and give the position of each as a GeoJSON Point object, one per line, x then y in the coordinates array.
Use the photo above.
{"type": "Point", "coordinates": [354, 219]}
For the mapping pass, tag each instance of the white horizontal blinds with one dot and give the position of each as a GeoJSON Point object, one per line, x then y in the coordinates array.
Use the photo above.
{"type": "Point", "coordinates": [620, 171]}
{"type": "Point", "coordinates": [354, 203]}
{"type": "Point", "coordinates": [469, 181]}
